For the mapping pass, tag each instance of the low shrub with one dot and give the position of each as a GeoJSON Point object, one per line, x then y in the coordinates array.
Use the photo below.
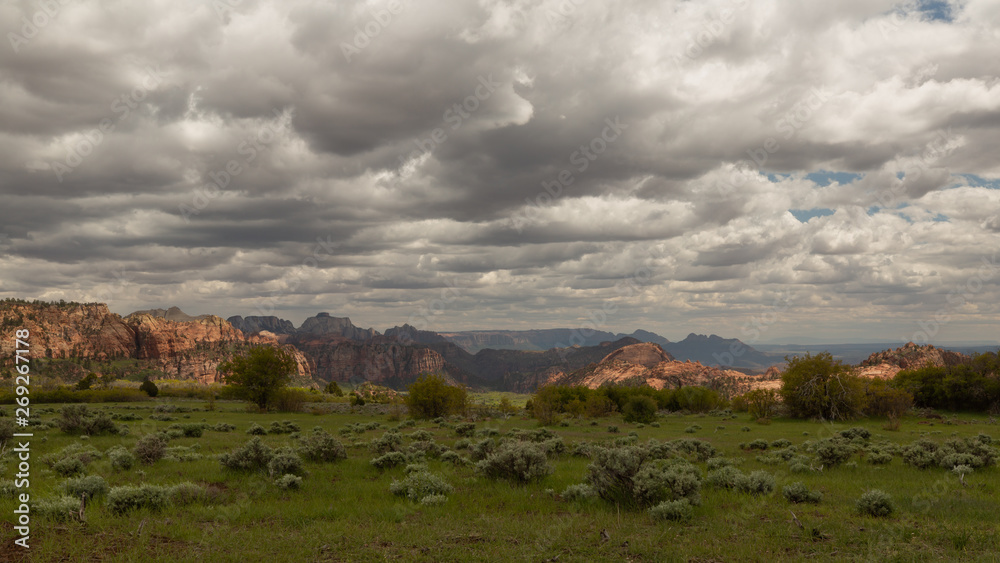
{"type": "Point", "coordinates": [321, 446]}
{"type": "Point", "coordinates": [289, 482]}
{"type": "Point", "coordinates": [465, 429]}
{"type": "Point", "coordinates": [122, 500]}
{"type": "Point", "coordinates": [256, 430]}
{"type": "Point", "coordinates": [516, 461]}
{"type": "Point", "coordinates": [91, 486]}
{"type": "Point", "coordinates": [833, 451]}
{"type": "Point", "coordinates": [389, 460]}
{"type": "Point", "coordinates": [388, 442]}
{"type": "Point", "coordinates": [151, 448]}
{"type": "Point", "coordinates": [419, 485]}
{"type": "Point", "coordinates": [798, 493]}
{"type": "Point", "coordinates": [679, 510]}
{"type": "Point", "coordinates": [726, 477]}
{"type": "Point", "coordinates": [251, 456]}
{"type": "Point", "coordinates": [875, 503]}
{"type": "Point", "coordinates": [121, 459]}
{"type": "Point", "coordinates": [757, 483]}
{"type": "Point", "coordinates": [185, 493]}
{"type": "Point", "coordinates": [581, 491]}
{"type": "Point", "coordinates": [57, 509]}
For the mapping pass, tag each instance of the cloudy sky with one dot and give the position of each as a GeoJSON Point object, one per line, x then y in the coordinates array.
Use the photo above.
{"type": "Point", "coordinates": [757, 169]}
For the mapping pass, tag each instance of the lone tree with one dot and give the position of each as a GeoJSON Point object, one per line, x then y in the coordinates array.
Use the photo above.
{"type": "Point", "coordinates": [259, 373]}
{"type": "Point", "coordinates": [430, 396]}
{"type": "Point", "coordinates": [821, 387]}
{"type": "Point", "coordinates": [149, 387]}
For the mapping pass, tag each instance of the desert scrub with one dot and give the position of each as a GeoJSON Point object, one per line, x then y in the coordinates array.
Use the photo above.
{"type": "Point", "coordinates": [121, 459]}
{"type": "Point", "coordinates": [581, 491]}
{"type": "Point", "coordinates": [726, 477]}
{"type": "Point", "coordinates": [388, 442]}
{"type": "Point", "coordinates": [321, 446]}
{"type": "Point", "coordinates": [679, 510]}
{"type": "Point", "coordinates": [122, 500]}
{"type": "Point", "coordinates": [289, 482]}
{"type": "Point", "coordinates": [285, 461]}
{"type": "Point", "coordinates": [389, 460]}
{"type": "Point", "coordinates": [151, 448]}
{"type": "Point", "coordinates": [757, 483]}
{"type": "Point", "coordinates": [223, 427]}
{"type": "Point", "coordinates": [465, 429]}
{"type": "Point", "coordinates": [480, 450]}
{"type": "Point", "coordinates": [833, 451]}
{"type": "Point", "coordinates": [182, 453]}
{"type": "Point", "coordinates": [692, 429]}
{"type": "Point", "coordinates": [419, 485]}
{"type": "Point", "coordinates": [185, 493]}
{"type": "Point", "coordinates": [91, 486]}
{"type": "Point", "coordinates": [68, 467]}
{"type": "Point", "coordinates": [251, 456]}
{"type": "Point", "coordinates": [520, 462]}
{"type": "Point", "coordinates": [798, 493]}
{"type": "Point", "coordinates": [256, 430]}
{"type": "Point", "coordinates": [455, 458]}
{"type": "Point", "coordinates": [699, 450]}
{"type": "Point", "coordinates": [283, 427]}
{"type": "Point", "coordinates": [58, 509]}
{"type": "Point", "coordinates": [875, 503]}
{"type": "Point", "coordinates": [631, 477]}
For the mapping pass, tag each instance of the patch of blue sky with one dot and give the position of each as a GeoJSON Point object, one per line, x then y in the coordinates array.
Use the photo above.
{"type": "Point", "coordinates": [804, 215]}
{"type": "Point", "coordinates": [825, 177]}
{"type": "Point", "coordinates": [980, 182]}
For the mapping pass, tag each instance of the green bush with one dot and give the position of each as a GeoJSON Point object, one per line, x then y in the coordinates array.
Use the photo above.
{"type": "Point", "coordinates": [821, 387]}
{"type": "Point", "coordinates": [640, 408]}
{"type": "Point", "coordinates": [251, 456]}
{"type": "Point", "coordinates": [321, 446]}
{"type": "Point", "coordinates": [833, 451]}
{"type": "Point", "coordinates": [68, 467]}
{"type": "Point", "coordinates": [285, 461]}
{"type": "Point", "coordinates": [798, 493]}
{"type": "Point", "coordinates": [875, 503]}
{"type": "Point", "coordinates": [726, 477]}
{"type": "Point", "coordinates": [430, 396]}
{"type": "Point", "coordinates": [58, 509]}
{"type": "Point", "coordinates": [289, 482]}
{"type": "Point", "coordinates": [151, 448]}
{"type": "Point", "coordinates": [122, 500]}
{"type": "Point", "coordinates": [389, 460]}
{"type": "Point", "coordinates": [185, 493]}
{"type": "Point", "coordinates": [149, 388]}
{"type": "Point", "coordinates": [632, 477]}
{"type": "Point", "coordinates": [465, 429]}
{"type": "Point", "coordinates": [757, 483]}
{"type": "Point", "coordinates": [256, 430]}
{"type": "Point", "coordinates": [581, 491]}
{"type": "Point", "coordinates": [91, 486]}
{"type": "Point", "coordinates": [674, 510]}
{"type": "Point", "coordinates": [516, 461]}
{"type": "Point", "coordinates": [388, 442]}
{"type": "Point", "coordinates": [419, 485]}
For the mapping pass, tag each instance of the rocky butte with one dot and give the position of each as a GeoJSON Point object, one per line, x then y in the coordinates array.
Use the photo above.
{"type": "Point", "coordinates": [190, 349]}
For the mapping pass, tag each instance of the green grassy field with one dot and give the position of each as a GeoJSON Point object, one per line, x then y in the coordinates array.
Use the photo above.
{"type": "Point", "coordinates": [345, 511]}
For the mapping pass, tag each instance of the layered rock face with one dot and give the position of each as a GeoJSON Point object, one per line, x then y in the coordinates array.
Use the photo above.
{"type": "Point", "coordinates": [886, 364]}
{"type": "Point", "coordinates": [251, 325]}
{"type": "Point", "coordinates": [381, 360]}
{"type": "Point", "coordinates": [647, 363]}
{"type": "Point", "coordinates": [182, 349]}
{"type": "Point", "coordinates": [88, 331]}
{"type": "Point", "coordinates": [325, 325]}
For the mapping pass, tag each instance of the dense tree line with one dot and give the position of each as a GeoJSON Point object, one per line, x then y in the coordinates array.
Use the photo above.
{"type": "Point", "coordinates": [970, 386]}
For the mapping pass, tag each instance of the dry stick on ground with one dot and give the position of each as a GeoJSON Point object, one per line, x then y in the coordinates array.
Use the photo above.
{"type": "Point", "coordinates": [83, 504]}
{"type": "Point", "coordinates": [797, 523]}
